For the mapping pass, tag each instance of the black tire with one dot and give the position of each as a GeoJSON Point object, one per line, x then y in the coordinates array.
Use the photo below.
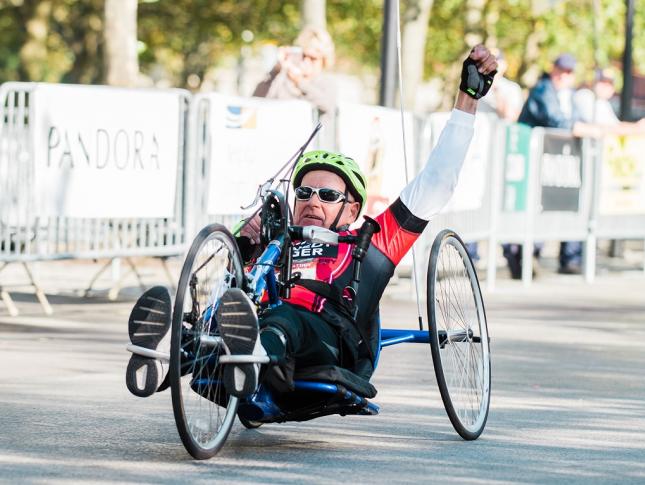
{"type": "Point", "coordinates": [204, 412]}
{"type": "Point", "coordinates": [249, 424]}
{"type": "Point", "coordinates": [459, 335]}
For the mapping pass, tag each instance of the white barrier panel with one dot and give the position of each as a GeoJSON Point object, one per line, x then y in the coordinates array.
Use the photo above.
{"type": "Point", "coordinates": [372, 136]}
{"type": "Point", "coordinates": [27, 235]}
{"type": "Point", "coordinates": [104, 152]}
{"type": "Point", "coordinates": [470, 190]}
{"type": "Point", "coordinates": [619, 210]}
{"type": "Point", "coordinates": [251, 138]}
{"type": "Point", "coordinates": [622, 191]}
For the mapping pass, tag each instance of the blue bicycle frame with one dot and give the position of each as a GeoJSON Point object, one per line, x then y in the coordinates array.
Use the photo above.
{"type": "Point", "coordinates": [261, 406]}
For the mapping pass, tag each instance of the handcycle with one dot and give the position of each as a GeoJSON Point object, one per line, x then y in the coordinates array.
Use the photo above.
{"type": "Point", "coordinates": [204, 413]}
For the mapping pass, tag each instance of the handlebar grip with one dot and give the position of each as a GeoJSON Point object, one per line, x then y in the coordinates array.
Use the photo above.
{"type": "Point", "coordinates": [314, 234]}
{"type": "Point", "coordinates": [367, 230]}
{"type": "Point", "coordinates": [295, 232]}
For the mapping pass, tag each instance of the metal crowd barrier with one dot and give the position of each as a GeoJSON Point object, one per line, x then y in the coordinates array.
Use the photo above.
{"type": "Point", "coordinates": [618, 200]}
{"type": "Point", "coordinates": [237, 143]}
{"type": "Point", "coordinates": [546, 190]}
{"type": "Point", "coordinates": [551, 186]}
{"type": "Point", "coordinates": [518, 185]}
{"type": "Point", "coordinates": [28, 233]}
{"type": "Point", "coordinates": [545, 185]}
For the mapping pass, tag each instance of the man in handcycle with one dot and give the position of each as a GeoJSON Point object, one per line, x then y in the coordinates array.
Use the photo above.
{"type": "Point", "coordinates": [317, 326]}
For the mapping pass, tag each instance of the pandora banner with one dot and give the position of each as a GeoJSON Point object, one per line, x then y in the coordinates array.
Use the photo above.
{"type": "Point", "coordinates": [105, 152]}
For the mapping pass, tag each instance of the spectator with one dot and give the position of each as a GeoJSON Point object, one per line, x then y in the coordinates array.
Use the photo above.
{"type": "Point", "coordinates": [550, 104]}
{"type": "Point", "coordinates": [299, 74]}
{"type": "Point", "coordinates": [587, 100]}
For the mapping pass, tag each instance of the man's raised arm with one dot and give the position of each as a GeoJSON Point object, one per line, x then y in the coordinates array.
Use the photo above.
{"type": "Point", "coordinates": [431, 189]}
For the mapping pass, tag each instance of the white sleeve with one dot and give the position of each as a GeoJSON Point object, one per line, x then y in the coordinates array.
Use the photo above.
{"type": "Point", "coordinates": [432, 188]}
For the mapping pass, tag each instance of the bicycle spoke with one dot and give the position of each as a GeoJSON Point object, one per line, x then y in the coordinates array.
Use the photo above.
{"type": "Point", "coordinates": [204, 413]}
{"type": "Point", "coordinates": [463, 362]}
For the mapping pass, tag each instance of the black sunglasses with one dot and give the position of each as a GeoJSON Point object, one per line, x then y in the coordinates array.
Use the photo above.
{"type": "Point", "coordinates": [329, 196]}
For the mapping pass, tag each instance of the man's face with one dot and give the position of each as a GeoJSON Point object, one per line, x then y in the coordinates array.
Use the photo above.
{"type": "Point", "coordinates": [314, 212]}
{"type": "Point", "coordinates": [563, 78]}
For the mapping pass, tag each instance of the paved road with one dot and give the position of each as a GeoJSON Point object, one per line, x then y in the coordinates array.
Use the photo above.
{"type": "Point", "coordinates": [568, 402]}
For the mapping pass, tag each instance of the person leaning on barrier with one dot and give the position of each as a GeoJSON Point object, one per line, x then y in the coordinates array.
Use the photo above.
{"type": "Point", "coordinates": [593, 106]}
{"type": "Point", "coordinates": [550, 105]}
{"type": "Point", "coordinates": [300, 73]}
{"type": "Point", "coordinates": [318, 324]}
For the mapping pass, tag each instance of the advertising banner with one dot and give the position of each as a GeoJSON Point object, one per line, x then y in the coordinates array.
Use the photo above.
{"type": "Point", "coordinates": [105, 152]}
{"type": "Point", "coordinates": [372, 136]}
{"type": "Point", "coordinates": [622, 186]}
{"type": "Point", "coordinates": [251, 138]}
{"type": "Point", "coordinates": [561, 173]}
{"type": "Point", "coordinates": [469, 193]}
{"type": "Point", "coordinates": [516, 167]}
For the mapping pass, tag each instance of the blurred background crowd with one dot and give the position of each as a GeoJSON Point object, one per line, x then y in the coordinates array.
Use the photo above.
{"type": "Point", "coordinates": [230, 45]}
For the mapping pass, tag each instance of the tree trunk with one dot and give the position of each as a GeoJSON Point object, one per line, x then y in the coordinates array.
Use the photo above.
{"type": "Point", "coordinates": [413, 44]}
{"type": "Point", "coordinates": [529, 72]}
{"type": "Point", "coordinates": [313, 13]}
{"type": "Point", "coordinates": [121, 62]}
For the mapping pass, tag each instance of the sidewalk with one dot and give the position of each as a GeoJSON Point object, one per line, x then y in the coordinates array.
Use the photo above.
{"type": "Point", "coordinates": [65, 282]}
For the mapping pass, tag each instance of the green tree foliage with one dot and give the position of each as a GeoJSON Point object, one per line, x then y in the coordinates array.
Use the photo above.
{"type": "Point", "coordinates": [533, 32]}
{"type": "Point", "coordinates": [190, 36]}
{"type": "Point", "coordinates": [51, 40]}
{"type": "Point", "coordinates": [61, 40]}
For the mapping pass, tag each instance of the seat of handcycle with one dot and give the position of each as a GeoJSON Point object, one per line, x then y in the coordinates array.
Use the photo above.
{"type": "Point", "coordinates": [336, 375]}
{"type": "Point", "coordinates": [319, 391]}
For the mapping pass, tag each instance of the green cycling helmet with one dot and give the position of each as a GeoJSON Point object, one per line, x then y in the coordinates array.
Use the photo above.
{"type": "Point", "coordinates": [345, 167]}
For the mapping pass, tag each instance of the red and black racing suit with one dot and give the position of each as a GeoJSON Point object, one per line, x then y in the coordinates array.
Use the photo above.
{"type": "Point", "coordinates": [316, 320]}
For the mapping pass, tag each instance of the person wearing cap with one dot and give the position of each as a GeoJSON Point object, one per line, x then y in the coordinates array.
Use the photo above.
{"type": "Point", "coordinates": [593, 106]}
{"type": "Point", "coordinates": [550, 105]}
{"type": "Point", "coordinates": [550, 101]}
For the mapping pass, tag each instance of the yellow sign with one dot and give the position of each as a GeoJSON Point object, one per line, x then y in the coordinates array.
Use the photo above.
{"type": "Point", "coordinates": [622, 179]}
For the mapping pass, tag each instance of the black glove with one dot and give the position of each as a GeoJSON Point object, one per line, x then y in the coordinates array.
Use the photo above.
{"type": "Point", "coordinates": [474, 83]}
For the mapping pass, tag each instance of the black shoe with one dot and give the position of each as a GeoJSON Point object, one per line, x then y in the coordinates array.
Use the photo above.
{"type": "Point", "coordinates": [570, 269]}
{"type": "Point", "coordinates": [238, 325]}
{"type": "Point", "coordinates": [148, 324]}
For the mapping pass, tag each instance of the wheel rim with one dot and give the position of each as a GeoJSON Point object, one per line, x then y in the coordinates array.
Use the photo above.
{"type": "Point", "coordinates": [464, 356]}
{"type": "Point", "coordinates": [206, 412]}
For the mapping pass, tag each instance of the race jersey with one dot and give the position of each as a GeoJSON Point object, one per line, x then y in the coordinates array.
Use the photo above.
{"type": "Point", "coordinates": [333, 264]}
{"type": "Point", "coordinates": [401, 225]}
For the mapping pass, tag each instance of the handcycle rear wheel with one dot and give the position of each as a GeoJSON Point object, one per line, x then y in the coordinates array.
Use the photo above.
{"type": "Point", "coordinates": [459, 335]}
{"type": "Point", "coordinates": [204, 413]}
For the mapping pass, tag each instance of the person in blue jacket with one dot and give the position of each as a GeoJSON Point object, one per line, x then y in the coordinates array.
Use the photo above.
{"type": "Point", "coordinates": [550, 105]}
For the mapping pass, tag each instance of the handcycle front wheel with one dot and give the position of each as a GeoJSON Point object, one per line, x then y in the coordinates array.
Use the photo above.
{"type": "Point", "coordinates": [204, 412]}
{"type": "Point", "coordinates": [459, 335]}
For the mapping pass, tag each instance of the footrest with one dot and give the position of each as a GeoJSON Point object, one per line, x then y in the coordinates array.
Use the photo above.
{"type": "Point", "coordinates": [153, 354]}
{"type": "Point", "coordinates": [244, 359]}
